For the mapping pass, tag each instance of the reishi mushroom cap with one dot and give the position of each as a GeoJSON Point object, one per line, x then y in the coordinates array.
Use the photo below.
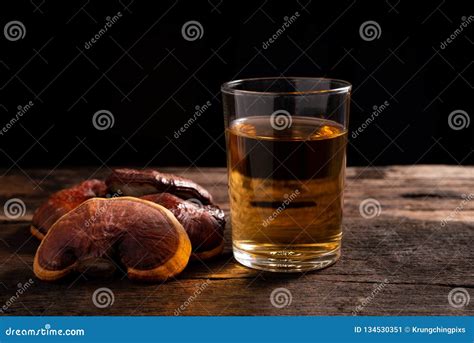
{"type": "Point", "coordinates": [144, 236]}
{"type": "Point", "coordinates": [137, 183]}
{"type": "Point", "coordinates": [204, 224]}
{"type": "Point", "coordinates": [61, 202]}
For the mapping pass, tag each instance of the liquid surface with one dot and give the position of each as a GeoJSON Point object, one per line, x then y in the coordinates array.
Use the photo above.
{"type": "Point", "coordinates": [286, 192]}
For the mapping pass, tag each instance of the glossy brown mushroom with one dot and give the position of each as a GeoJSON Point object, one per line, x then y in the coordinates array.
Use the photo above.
{"type": "Point", "coordinates": [60, 203]}
{"type": "Point", "coordinates": [204, 224]}
{"type": "Point", "coordinates": [145, 237]}
{"type": "Point", "coordinates": [137, 183]}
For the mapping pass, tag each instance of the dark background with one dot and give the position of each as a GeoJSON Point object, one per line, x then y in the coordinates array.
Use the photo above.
{"type": "Point", "coordinates": [151, 79]}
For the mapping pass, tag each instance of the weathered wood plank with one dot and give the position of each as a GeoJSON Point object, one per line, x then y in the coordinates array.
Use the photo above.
{"type": "Point", "coordinates": [405, 259]}
{"type": "Point", "coordinates": [248, 296]}
{"type": "Point", "coordinates": [411, 187]}
{"type": "Point", "coordinates": [406, 254]}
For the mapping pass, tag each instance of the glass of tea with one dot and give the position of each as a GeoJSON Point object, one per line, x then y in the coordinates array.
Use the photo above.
{"type": "Point", "coordinates": [286, 157]}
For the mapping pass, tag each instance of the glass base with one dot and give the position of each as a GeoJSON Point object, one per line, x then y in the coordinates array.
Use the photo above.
{"type": "Point", "coordinates": [288, 262]}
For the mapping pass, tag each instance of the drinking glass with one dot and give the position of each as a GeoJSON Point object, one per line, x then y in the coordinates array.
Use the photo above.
{"type": "Point", "coordinates": [286, 156]}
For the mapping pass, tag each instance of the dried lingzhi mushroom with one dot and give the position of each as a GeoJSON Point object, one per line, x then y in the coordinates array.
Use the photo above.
{"type": "Point", "coordinates": [147, 238]}
{"type": "Point", "coordinates": [153, 230]}
{"type": "Point", "coordinates": [134, 182]}
{"type": "Point", "coordinates": [203, 223]}
{"type": "Point", "coordinates": [60, 203]}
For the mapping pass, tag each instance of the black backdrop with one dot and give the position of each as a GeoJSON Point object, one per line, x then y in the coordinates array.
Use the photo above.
{"type": "Point", "coordinates": [150, 78]}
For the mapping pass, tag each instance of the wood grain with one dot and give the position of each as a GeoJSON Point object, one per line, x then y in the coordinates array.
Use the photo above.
{"type": "Point", "coordinates": [403, 262]}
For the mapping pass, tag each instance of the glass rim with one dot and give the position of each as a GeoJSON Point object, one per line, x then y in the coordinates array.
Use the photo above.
{"type": "Point", "coordinates": [343, 87]}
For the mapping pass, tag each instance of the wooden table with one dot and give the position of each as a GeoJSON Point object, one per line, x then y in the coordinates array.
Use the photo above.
{"type": "Point", "coordinates": [403, 262]}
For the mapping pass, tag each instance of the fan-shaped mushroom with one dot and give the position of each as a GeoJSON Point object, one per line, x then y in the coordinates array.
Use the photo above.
{"type": "Point", "coordinates": [204, 223]}
{"type": "Point", "coordinates": [145, 237]}
{"type": "Point", "coordinates": [134, 182]}
{"type": "Point", "coordinates": [60, 203]}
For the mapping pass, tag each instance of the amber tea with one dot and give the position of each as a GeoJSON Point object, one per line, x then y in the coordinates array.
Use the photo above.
{"type": "Point", "coordinates": [286, 157]}
{"type": "Point", "coordinates": [286, 191]}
